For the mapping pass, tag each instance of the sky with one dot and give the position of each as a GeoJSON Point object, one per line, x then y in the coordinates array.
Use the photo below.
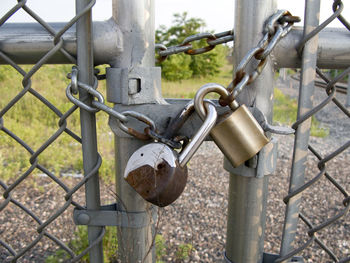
{"type": "Point", "coordinates": [217, 19]}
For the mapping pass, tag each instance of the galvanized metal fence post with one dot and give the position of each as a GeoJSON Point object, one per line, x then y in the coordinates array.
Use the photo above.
{"type": "Point", "coordinates": [135, 18]}
{"type": "Point", "coordinates": [309, 58]}
{"type": "Point", "coordinates": [88, 123]}
{"type": "Point", "coordinates": [248, 195]}
{"type": "Point", "coordinates": [347, 104]}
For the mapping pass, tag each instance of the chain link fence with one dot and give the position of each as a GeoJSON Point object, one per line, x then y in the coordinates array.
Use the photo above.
{"type": "Point", "coordinates": [316, 224]}
{"type": "Point", "coordinates": [13, 249]}
{"type": "Point", "coordinates": [44, 224]}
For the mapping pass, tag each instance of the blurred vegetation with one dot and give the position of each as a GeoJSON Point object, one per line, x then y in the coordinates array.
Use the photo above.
{"type": "Point", "coordinates": [183, 66]}
{"type": "Point", "coordinates": [161, 248]}
{"type": "Point", "coordinates": [184, 251]}
{"type": "Point", "coordinates": [34, 123]}
{"type": "Point", "coordinates": [285, 112]}
{"type": "Point", "coordinates": [81, 242]}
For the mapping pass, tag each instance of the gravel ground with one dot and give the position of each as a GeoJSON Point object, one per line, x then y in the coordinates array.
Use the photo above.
{"type": "Point", "coordinates": [198, 217]}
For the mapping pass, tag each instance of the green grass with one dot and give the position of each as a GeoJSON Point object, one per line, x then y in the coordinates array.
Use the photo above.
{"type": "Point", "coordinates": [183, 251]}
{"type": "Point", "coordinates": [81, 242]}
{"type": "Point", "coordinates": [285, 112]}
{"type": "Point", "coordinates": [186, 89]}
{"type": "Point", "coordinates": [161, 248]}
{"type": "Point", "coordinates": [34, 123]}
{"type": "Point", "coordinates": [110, 246]}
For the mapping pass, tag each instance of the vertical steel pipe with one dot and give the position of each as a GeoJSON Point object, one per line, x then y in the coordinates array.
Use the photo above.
{"type": "Point", "coordinates": [136, 21]}
{"type": "Point", "coordinates": [309, 59]}
{"type": "Point", "coordinates": [88, 123]}
{"type": "Point", "coordinates": [248, 195]}
{"type": "Point", "coordinates": [347, 104]}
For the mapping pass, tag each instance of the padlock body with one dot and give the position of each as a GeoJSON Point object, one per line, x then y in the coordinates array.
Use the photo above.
{"type": "Point", "coordinates": [154, 172]}
{"type": "Point", "coordinates": [239, 136]}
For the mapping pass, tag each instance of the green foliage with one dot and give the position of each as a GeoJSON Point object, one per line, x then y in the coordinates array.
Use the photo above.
{"type": "Point", "coordinates": [285, 112]}
{"type": "Point", "coordinates": [335, 72]}
{"type": "Point", "coordinates": [183, 251]}
{"type": "Point", "coordinates": [160, 248]}
{"type": "Point", "coordinates": [177, 67]}
{"type": "Point", "coordinates": [181, 66]}
{"type": "Point", "coordinates": [81, 242]}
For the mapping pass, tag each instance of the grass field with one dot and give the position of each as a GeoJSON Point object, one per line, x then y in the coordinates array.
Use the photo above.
{"type": "Point", "coordinates": [34, 123]}
{"type": "Point", "coordinates": [187, 88]}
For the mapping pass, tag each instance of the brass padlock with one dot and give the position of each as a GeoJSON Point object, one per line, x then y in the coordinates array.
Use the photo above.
{"type": "Point", "coordinates": [238, 135]}
{"type": "Point", "coordinates": [158, 173]}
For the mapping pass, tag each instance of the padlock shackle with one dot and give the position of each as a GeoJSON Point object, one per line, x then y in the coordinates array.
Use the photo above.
{"type": "Point", "coordinates": [208, 88]}
{"type": "Point", "coordinates": [198, 138]}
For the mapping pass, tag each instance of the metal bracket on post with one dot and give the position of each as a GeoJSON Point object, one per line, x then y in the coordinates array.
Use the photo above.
{"type": "Point", "coordinates": [138, 85]}
{"type": "Point", "coordinates": [266, 164]}
{"type": "Point", "coordinates": [160, 114]}
{"type": "Point", "coordinates": [112, 215]}
{"type": "Point", "coordinates": [270, 258]}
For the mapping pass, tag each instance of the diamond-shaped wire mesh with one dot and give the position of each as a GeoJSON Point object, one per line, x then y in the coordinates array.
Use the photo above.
{"type": "Point", "coordinates": [318, 221]}
{"type": "Point", "coordinates": [43, 225]}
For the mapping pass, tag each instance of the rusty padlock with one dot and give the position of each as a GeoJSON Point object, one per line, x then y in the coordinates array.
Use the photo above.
{"type": "Point", "coordinates": [158, 173]}
{"type": "Point", "coordinates": [237, 133]}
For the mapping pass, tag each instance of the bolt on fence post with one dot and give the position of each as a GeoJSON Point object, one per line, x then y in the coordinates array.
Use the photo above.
{"type": "Point", "coordinates": [88, 123]}
{"type": "Point", "coordinates": [135, 18]}
{"type": "Point", "coordinates": [308, 71]}
{"type": "Point", "coordinates": [248, 195]}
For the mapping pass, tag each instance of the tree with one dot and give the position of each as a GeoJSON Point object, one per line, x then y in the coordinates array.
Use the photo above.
{"type": "Point", "coordinates": [182, 66]}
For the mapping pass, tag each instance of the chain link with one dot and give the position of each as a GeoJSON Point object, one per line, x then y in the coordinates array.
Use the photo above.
{"type": "Point", "coordinates": [99, 104]}
{"type": "Point", "coordinates": [276, 27]}
{"type": "Point", "coordinates": [186, 46]}
{"type": "Point", "coordinates": [42, 226]}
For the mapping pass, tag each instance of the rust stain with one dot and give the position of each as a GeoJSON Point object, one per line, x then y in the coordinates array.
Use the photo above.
{"type": "Point", "coordinates": [160, 185]}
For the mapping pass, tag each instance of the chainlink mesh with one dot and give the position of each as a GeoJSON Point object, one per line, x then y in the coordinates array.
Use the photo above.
{"type": "Point", "coordinates": [43, 225]}
{"type": "Point", "coordinates": [317, 222]}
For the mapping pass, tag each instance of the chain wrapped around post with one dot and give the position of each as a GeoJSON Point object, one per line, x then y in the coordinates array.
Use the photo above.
{"type": "Point", "coordinates": [99, 104]}
{"type": "Point", "coordinates": [150, 132]}
{"type": "Point", "coordinates": [276, 27]}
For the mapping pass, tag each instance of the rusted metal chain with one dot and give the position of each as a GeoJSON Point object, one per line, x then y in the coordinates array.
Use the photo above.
{"type": "Point", "coordinates": [186, 46]}
{"type": "Point", "coordinates": [277, 27]}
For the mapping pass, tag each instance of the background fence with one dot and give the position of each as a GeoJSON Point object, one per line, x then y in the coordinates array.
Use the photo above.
{"type": "Point", "coordinates": [38, 235]}
{"type": "Point", "coordinates": [307, 48]}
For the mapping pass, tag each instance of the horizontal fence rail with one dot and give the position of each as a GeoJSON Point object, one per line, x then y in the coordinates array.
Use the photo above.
{"type": "Point", "coordinates": [107, 45]}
